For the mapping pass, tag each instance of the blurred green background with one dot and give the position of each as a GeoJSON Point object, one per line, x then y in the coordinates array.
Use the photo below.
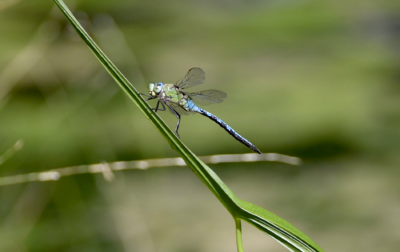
{"type": "Point", "coordinates": [315, 79]}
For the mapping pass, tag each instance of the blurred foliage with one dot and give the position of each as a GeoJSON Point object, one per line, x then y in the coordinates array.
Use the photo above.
{"type": "Point", "coordinates": [316, 79]}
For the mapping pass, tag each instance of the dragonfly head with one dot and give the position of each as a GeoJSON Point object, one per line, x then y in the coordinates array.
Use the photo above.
{"type": "Point", "coordinates": [155, 89]}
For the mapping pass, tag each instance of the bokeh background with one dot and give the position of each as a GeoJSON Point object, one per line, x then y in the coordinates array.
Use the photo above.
{"type": "Point", "coordinates": [315, 79]}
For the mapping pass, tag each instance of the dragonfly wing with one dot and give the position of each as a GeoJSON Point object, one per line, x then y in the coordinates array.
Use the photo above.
{"type": "Point", "coordinates": [207, 97]}
{"type": "Point", "coordinates": [180, 110]}
{"type": "Point", "coordinates": [194, 76]}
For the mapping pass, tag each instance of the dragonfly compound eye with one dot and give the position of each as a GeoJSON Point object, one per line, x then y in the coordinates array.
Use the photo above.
{"type": "Point", "coordinates": [158, 87]}
{"type": "Point", "coordinates": [151, 87]}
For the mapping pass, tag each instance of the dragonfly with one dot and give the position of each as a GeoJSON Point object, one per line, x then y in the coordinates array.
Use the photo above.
{"type": "Point", "coordinates": [180, 102]}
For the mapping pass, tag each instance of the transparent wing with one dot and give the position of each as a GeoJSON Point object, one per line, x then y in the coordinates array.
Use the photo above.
{"type": "Point", "coordinates": [207, 97]}
{"type": "Point", "coordinates": [194, 76]}
{"type": "Point", "coordinates": [179, 109]}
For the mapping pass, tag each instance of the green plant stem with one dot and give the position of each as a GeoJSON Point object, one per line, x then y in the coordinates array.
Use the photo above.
{"type": "Point", "coordinates": [239, 242]}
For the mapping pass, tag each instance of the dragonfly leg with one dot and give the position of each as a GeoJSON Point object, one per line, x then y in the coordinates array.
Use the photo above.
{"type": "Point", "coordinates": [179, 119]}
{"type": "Point", "coordinates": [158, 104]}
{"type": "Point", "coordinates": [145, 94]}
{"type": "Point", "coordinates": [150, 97]}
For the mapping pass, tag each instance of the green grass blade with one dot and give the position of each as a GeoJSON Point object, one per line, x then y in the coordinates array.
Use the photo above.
{"type": "Point", "coordinates": [278, 228]}
{"type": "Point", "coordinates": [281, 230]}
{"type": "Point", "coordinates": [10, 152]}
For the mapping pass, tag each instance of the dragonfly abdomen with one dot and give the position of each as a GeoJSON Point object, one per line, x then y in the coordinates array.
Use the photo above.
{"type": "Point", "coordinates": [228, 129]}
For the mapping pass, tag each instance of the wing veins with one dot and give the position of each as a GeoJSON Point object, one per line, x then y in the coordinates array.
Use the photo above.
{"type": "Point", "coordinates": [194, 76]}
{"type": "Point", "coordinates": [207, 97]}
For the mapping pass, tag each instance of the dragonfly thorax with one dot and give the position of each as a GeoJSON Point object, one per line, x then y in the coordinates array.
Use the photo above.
{"type": "Point", "coordinates": [155, 89]}
{"type": "Point", "coordinates": [182, 102]}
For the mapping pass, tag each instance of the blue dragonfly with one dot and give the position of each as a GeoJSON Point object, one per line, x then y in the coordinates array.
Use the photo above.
{"type": "Point", "coordinates": [182, 102]}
